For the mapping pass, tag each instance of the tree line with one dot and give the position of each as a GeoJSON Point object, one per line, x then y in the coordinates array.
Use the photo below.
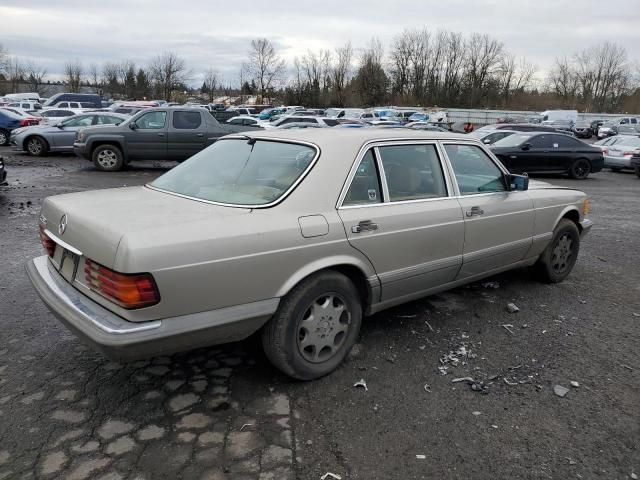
{"type": "Point", "coordinates": [418, 68]}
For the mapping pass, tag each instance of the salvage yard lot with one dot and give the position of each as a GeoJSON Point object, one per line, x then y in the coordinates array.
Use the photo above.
{"type": "Point", "coordinates": [225, 413]}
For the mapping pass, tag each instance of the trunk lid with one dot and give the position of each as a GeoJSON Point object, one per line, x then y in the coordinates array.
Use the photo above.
{"type": "Point", "coordinates": [97, 221]}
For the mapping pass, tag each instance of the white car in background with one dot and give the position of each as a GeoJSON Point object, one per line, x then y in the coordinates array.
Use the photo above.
{"type": "Point", "coordinates": [248, 121]}
{"type": "Point", "coordinates": [56, 115]}
{"type": "Point", "coordinates": [344, 112]}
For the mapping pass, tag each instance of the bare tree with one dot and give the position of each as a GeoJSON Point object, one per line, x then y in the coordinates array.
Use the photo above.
{"type": "Point", "coordinates": [35, 76]}
{"type": "Point", "coordinates": [264, 65]}
{"type": "Point", "coordinates": [371, 80]}
{"type": "Point", "coordinates": [564, 81]}
{"type": "Point", "coordinates": [93, 75]}
{"type": "Point", "coordinates": [482, 57]}
{"type": "Point", "coordinates": [341, 73]}
{"type": "Point", "coordinates": [15, 73]}
{"type": "Point", "coordinates": [168, 71]}
{"type": "Point", "coordinates": [513, 75]}
{"type": "Point", "coordinates": [210, 83]}
{"type": "Point", "coordinates": [4, 58]}
{"type": "Point", "coordinates": [109, 78]}
{"type": "Point", "coordinates": [73, 75]}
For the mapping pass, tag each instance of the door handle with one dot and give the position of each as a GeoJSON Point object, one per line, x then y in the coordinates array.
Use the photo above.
{"type": "Point", "coordinates": [474, 212]}
{"type": "Point", "coordinates": [161, 134]}
{"type": "Point", "coordinates": [201, 135]}
{"type": "Point", "coordinates": [364, 226]}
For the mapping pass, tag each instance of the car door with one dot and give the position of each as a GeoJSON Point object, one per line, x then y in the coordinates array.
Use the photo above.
{"type": "Point", "coordinates": [400, 212]}
{"type": "Point", "coordinates": [498, 222]}
{"type": "Point", "coordinates": [63, 136]}
{"type": "Point", "coordinates": [148, 137]}
{"type": "Point", "coordinates": [564, 150]}
{"type": "Point", "coordinates": [186, 134]}
{"type": "Point", "coordinates": [536, 157]}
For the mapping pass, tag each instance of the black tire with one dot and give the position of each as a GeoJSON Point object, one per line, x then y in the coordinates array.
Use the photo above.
{"type": "Point", "coordinates": [556, 263]}
{"type": "Point", "coordinates": [637, 170]}
{"type": "Point", "coordinates": [36, 146]}
{"type": "Point", "coordinates": [615, 169]}
{"type": "Point", "coordinates": [4, 137]}
{"type": "Point", "coordinates": [107, 158]}
{"type": "Point", "coordinates": [290, 343]}
{"type": "Point", "coordinates": [580, 169]}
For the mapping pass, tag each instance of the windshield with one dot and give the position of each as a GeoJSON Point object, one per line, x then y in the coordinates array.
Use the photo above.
{"type": "Point", "coordinates": [331, 112]}
{"type": "Point", "coordinates": [240, 172]}
{"type": "Point", "coordinates": [512, 140]}
{"type": "Point", "coordinates": [629, 141]}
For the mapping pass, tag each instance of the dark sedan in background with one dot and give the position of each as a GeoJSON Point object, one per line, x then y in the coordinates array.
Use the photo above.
{"type": "Point", "coordinates": [548, 153]}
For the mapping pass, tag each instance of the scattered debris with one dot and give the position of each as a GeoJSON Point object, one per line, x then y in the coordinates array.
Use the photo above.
{"type": "Point", "coordinates": [421, 457]}
{"type": "Point", "coordinates": [512, 308]}
{"type": "Point", "coordinates": [524, 325]}
{"type": "Point", "coordinates": [626, 366]}
{"type": "Point", "coordinates": [443, 370]}
{"type": "Point", "coordinates": [427, 388]}
{"type": "Point", "coordinates": [513, 384]}
{"type": "Point", "coordinates": [560, 391]}
{"type": "Point", "coordinates": [476, 413]}
{"type": "Point", "coordinates": [583, 301]}
{"type": "Point", "coordinates": [636, 314]}
{"type": "Point", "coordinates": [634, 476]}
{"type": "Point", "coordinates": [246, 425]}
{"type": "Point", "coordinates": [463, 379]}
{"type": "Point", "coordinates": [429, 325]}
{"type": "Point", "coordinates": [508, 327]}
{"type": "Point", "coordinates": [601, 259]}
{"type": "Point", "coordinates": [574, 384]}
{"type": "Point", "coordinates": [330, 475]}
{"type": "Point", "coordinates": [491, 285]}
{"type": "Point", "coordinates": [516, 367]}
{"type": "Point", "coordinates": [494, 426]}
{"type": "Point", "coordinates": [544, 331]}
{"type": "Point", "coordinates": [571, 461]}
{"type": "Point", "coordinates": [309, 442]}
{"type": "Point", "coordinates": [362, 384]}
{"type": "Point", "coordinates": [406, 316]}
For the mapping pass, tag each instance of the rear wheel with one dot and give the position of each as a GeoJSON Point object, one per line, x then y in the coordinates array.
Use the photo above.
{"type": "Point", "coordinates": [558, 259]}
{"type": "Point", "coordinates": [37, 146]}
{"type": "Point", "coordinates": [4, 137]}
{"type": "Point", "coordinates": [580, 169]}
{"type": "Point", "coordinates": [107, 158]}
{"type": "Point", "coordinates": [315, 326]}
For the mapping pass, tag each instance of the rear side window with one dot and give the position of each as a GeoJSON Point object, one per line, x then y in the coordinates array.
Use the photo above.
{"type": "Point", "coordinates": [475, 172]}
{"type": "Point", "coordinates": [186, 120]}
{"type": "Point", "coordinates": [540, 141]}
{"type": "Point", "coordinates": [365, 187]}
{"type": "Point", "coordinates": [412, 172]}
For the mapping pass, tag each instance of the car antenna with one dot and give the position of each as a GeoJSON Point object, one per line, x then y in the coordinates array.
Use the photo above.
{"type": "Point", "coordinates": [250, 140]}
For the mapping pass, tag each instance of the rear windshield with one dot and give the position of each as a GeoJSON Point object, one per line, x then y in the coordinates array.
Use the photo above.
{"type": "Point", "coordinates": [513, 140]}
{"type": "Point", "coordinates": [240, 172]}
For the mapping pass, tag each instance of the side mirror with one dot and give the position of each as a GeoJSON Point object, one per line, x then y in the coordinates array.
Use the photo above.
{"type": "Point", "coordinates": [525, 146]}
{"type": "Point", "coordinates": [60, 125]}
{"type": "Point", "coordinates": [486, 141]}
{"type": "Point", "coordinates": [133, 126]}
{"type": "Point", "coordinates": [518, 182]}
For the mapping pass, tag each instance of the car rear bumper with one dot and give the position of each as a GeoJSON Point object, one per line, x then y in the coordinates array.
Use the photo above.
{"type": "Point", "coordinates": [122, 340]}
{"type": "Point", "coordinates": [617, 162]}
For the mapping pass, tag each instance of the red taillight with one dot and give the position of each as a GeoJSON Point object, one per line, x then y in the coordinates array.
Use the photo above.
{"type": "Point", "coordinates": [127, 290]}
{"type": "Point", "coordinates": [48, 244]}
{"type": "Point", "coordinates": [24, 123]}
{"type": "Point", "coordinates": [627, 153]}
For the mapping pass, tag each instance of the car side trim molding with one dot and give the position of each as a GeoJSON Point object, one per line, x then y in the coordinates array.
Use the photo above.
{"type": "Point", "coordinates": [497, 250]}
{"type": "Point", "coordinates": [421, 269]}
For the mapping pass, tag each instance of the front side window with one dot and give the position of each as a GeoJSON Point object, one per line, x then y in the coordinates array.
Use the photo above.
{"type": "Point", "coordinates": [475, 172]}
{"type": "Point", "coordinates": [152, 120]}
{"type": "Point", "coordinates": [365, 187]}
{"type": "Point", "coordinates": [412, 172]}
{"type": "Point", "coordinates": [238, 172]}
{"type": "Point", "coordinates": [186, 120]}
{"type": "Point", "coordinates": [108, 120]}
{"type": "Point", "coordinates": [84, 121]}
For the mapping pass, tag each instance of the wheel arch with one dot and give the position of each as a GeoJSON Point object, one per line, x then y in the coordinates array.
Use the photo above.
{"type": "Point", "coordinates": [361, 274]}
{"type": "Point", "coordinates": [35, 135]}
{"type": "Point", "coordinates": [116, 142]}
{"type": "Point", "coordinates": [570, 213]}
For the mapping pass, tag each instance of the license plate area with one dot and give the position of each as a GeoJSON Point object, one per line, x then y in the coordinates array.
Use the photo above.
{"type": "Point", "coordinates": [68, 266]}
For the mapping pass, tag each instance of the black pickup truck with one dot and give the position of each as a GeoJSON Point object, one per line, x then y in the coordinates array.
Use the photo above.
{"type": "Point", "coordinates": [164, 133]}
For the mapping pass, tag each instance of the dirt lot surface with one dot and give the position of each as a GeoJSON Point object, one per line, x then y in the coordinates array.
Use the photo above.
{"type": "Point", "coordinates": [225, 413]}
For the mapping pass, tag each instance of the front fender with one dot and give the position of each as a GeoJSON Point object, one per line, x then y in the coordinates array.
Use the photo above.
{"type": "Point", "coordinates": [94, 141]}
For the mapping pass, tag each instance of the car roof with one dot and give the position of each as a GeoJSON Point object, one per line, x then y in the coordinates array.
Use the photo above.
{"type": "Point", "coordinates": [351, 138]}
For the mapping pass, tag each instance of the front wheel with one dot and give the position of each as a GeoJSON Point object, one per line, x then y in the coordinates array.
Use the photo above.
{"type": "Point", "coordinates": [107, 158]}
{"type": "Point", "coordinates": [316, 325]}
{"type": "Point", "coordinates": [558, 259]}
{"type": "Point", "coordinates": [4, 137]}
{"type": "Point", "coordinates": [580, 169]}
{"type": "Point", "coordinates": [36, 146]}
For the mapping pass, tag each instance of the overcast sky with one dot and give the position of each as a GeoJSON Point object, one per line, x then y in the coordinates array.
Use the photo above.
{"type": "Point", "coordinates": [218, 33]}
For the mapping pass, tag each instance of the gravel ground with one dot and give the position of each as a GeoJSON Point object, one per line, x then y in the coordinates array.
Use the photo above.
{"type": "Point", "coordinates": [225, 413]}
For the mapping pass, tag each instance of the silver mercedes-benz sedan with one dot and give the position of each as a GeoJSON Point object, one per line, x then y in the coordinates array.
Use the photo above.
{"type": "Point", "coordinates": [299, 234]}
